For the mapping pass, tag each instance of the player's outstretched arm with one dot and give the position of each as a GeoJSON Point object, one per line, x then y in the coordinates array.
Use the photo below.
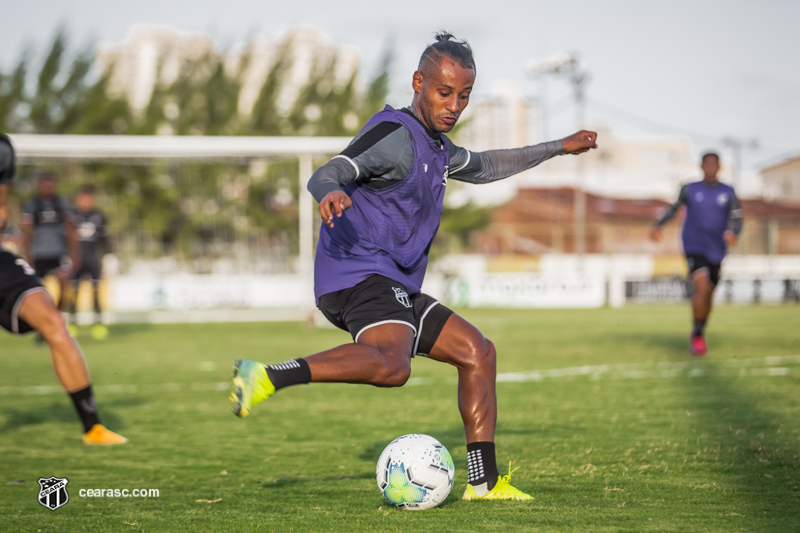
{"type": "Point", "coordinates": [666, 216]}
{"type": "Point", "coordinates": [493, 165]}
{"type": "Point", "coordinates": [334, 203]}
{"type": "Point", "coordinates": [580, 142]}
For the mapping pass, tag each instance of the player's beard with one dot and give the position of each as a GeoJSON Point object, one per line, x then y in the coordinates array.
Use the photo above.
{"type": "Point", "coordinates": [429, 118]}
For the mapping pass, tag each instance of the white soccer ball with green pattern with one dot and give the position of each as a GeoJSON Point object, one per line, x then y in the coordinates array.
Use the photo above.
{"type": "Point", "coordinates": [415, 472]}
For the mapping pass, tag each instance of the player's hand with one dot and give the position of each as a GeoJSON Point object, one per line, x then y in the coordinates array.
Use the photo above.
{"type": "Point", "coordinates": [334, 203]}
{"type": "Point", "coordinates": [655, 234]}
{"type": "Point", "coordinates": [580, 142]}
{"type": "Point", "coordinates": [730, 238]}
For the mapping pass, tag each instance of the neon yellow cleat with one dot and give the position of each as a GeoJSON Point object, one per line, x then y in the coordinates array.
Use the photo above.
{"type": "Point", "coordinates": [251, 385]}
{"type": "Point", "coordinates": [99, 434]}
{"type": "Point", "coordinates": [73, 330]}
{"type": "Point", "coordinates": [501, 491]}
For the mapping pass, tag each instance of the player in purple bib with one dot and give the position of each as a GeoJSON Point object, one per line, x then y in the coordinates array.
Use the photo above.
{"type": "Point", "coordinates": [381, 202]}
{"type": "Point", "coordinates": [712, 222]}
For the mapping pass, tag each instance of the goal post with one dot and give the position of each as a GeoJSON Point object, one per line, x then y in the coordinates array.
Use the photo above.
{"type": "Point", "coordinates": [193, 205]}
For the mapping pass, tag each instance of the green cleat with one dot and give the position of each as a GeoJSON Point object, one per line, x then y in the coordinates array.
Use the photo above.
{"type": "Point", "coordinates": [503, 490]}
{"type": "Point", "coordinates": [251, 385]}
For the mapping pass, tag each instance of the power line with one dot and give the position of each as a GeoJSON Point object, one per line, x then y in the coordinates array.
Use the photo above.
{"type": "Point", "coordinates": [649, 123]}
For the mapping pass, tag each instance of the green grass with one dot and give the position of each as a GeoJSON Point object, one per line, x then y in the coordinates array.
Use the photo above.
{"type": "Point", "coordinates": [669, 444]}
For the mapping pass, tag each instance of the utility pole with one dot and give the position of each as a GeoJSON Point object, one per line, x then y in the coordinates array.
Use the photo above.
{"type": "Point", "coordinates": [570, 65]}
{"type": "Point", "coordinates": [737, 144]}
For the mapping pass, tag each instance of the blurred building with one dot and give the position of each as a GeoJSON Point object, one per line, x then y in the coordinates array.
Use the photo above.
{"type": "Point", "coordinates": [650, 166]}
{"type": "Point", "coordinates": [150, 55]}
{"type": "Point", "coordinates": [504, 119]}
{"type": "Point", "coordinates": [781, 181]}
{"type": "Point", "coordinates": [622, 167]}
{"type": "Point", "coordinates": [308, 49]}
{"type": "Point", "coordinates": [540, 221]}
{"type": "Point", "coordinates": [153, 55]}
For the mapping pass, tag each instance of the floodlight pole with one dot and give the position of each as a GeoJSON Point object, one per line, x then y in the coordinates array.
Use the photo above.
{"type": "Point", "coordinates": [736, 145]}
{"type": "Point", "coordinates": [570, 64]}
{"type": "Point", "coordinates": [578, 79]}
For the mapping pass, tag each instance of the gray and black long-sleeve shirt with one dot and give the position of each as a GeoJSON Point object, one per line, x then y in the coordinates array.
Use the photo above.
{"type": "Point", "coordinates": [383, 154]}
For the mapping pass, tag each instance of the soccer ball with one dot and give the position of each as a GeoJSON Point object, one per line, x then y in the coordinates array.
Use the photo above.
{"type": "Point", "coordinates": [415, 472]}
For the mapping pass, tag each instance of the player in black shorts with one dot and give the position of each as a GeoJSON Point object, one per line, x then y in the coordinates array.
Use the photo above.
{"type": "Point", "coordinates": [92, 232]}
{"type": "Point", "coordinates": [25, 305]}
{"type": "Point", "coordinates": [380, 201]}
{"type": "Point", "coordinates": [50, 243]}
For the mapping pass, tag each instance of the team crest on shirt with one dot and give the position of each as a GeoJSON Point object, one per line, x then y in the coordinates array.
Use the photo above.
{"type": "Point", "coordinates": [86, 230]}
{"type": "Point", "coordinates": [47, 216]}
{"type": "Point", "coordinates": [446, 173]}
{"type": "Point", "coordinates": [402, 297]}
{"type": "Point", "coordinates": [722, 198]}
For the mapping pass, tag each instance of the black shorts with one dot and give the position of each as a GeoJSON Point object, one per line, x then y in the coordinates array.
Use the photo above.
{"type": "Point", "coordinates": [17, 280]}
{"type": "Point", "coordinates": [379, 300]}
{"type": "Point", "coordinates": [45, 266]}
{"type": "Point", "coordinates": [698, 262]}
{"type": "Point", "coordinates": [90, 270]}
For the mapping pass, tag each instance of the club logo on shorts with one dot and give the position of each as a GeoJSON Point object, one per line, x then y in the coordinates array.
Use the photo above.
{"type": "Point", "coordinates": [53, 492]}
{"type": "Point", "coordinates": [402, 297]}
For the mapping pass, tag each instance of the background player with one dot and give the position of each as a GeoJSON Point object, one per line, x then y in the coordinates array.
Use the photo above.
{"type": "Point", "coordinates": [92, 233]}
{"type": "Point", "coordinates": [26, 305]}
{"type": "Point", "coordinates": [381, 201]}
{"type": "Point", "coordinates": [49, 240]}
{"type": "Point", "coordinates": [713, 222]}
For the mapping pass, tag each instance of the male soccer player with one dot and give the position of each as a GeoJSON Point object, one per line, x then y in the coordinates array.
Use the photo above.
{"type": "Point", "coordinates": [91, 229]}
{"type": "Point", "coordinates": [381, 203]}
{"type": "Point", "coordinates": [713, 222]}
{"type": "Point", "coordinates": [50, 243]}
{"type": "Point", "coordinates": [25, 305]}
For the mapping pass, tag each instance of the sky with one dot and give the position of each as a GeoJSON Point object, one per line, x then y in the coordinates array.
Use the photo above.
{"type": "Point", "coordinates": [700, 68]}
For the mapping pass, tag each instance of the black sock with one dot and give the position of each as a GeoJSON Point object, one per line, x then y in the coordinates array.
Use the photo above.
{"type": "Point", "coordinates": [97, 311]}
{"type": "Point", "coordinates": [87, 410]}
{"type": "Point", "coordinates": [482, 466]}
{"type": "Point", "coordinates": [291, 372]}
{"type": "Point", "coordinates": [699, 326]}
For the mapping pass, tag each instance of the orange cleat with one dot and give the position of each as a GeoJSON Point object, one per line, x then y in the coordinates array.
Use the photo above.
{"type": "Point", "coordinates": [99, 434]}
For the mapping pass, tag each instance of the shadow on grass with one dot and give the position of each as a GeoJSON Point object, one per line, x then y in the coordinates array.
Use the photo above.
{"type": "Point", "coordinates": [279, 483]}
{"type": "Point", "coordinates": [455, 441]}
{"type": "Point", "coordinates": [283, 483]}
{"type": "Point", "coordinates": [747, 448]}
{"type": "Point", "coordinates": [663, 341]}
{"type": "Point", "coordinates": [64, 412]}
{"type": "Point", "coordinates": [123, 330]}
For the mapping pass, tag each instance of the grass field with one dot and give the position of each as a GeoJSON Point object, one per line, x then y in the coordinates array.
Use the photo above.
{"type": "Point", "coordinates": [614, 427]}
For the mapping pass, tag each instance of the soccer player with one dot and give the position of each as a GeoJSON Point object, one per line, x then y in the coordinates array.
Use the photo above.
{"type": "Point", "coordinates": [25, 305]}
{"type": "Point", "coordinates": [381, 202]}
{"type": "Point", "coordinates": [91, 229]}
{"type": "Point", "coordinates": [49, 240]}
{"type": "Point", "coordinates": [713, 222]}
